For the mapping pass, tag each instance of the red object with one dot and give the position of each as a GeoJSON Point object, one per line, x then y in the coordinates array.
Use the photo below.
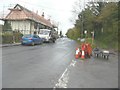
{"type": "Point", "coordinates": [89, 49]}
{"type": "Point", "coordinates": [83, 46]}
{"type": "Point", "coordinates": [83, 54]}
{"type": "Point", "coordinates": [30, 38]}
{"type": "Point", "coordinates": [86, 50]}
{"type": "Point", "coordinates": [77, 53]}
{"type": "Point", "coordinates": [80, 53]}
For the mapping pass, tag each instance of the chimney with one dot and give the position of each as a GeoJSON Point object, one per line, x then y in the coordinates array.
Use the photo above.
{"type": "Point", "coordinates": [43, 14]}
{"type": "Point", "coordinates": [49, 20]}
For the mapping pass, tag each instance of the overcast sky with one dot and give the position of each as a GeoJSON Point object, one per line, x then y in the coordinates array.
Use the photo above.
{"type": "Point", "coordinates": [58, 10]}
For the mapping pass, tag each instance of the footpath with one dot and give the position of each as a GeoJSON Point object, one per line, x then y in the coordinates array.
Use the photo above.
{"type": "Point", "coordinates": [7, 45]}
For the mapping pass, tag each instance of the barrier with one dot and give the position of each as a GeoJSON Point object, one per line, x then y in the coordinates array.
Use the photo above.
{"type": "Point", "coordinates": [77, 53]}
{"type": "Point", "coordinates": [83, 55]}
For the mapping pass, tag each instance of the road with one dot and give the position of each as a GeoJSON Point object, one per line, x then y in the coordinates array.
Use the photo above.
{"type": "Point", "coordinates": [53, 65]}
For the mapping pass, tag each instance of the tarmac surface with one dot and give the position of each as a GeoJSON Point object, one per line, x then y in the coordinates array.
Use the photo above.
{"type": "Point", "coordinates": [53, 65]}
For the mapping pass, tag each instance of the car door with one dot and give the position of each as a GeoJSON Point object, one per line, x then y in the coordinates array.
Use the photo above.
{"type": "Point", "coordinates": [36, 40]}
{"type": "Point", "coordinates": [39, 40]}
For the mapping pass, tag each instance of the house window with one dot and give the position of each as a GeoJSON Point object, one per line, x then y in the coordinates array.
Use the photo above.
{"type": "Point", "coordinates": [35, 25]}
{"type": "Point", "coordinates": [18, 7]}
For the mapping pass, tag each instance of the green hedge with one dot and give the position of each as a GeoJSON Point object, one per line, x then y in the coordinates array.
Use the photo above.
{"type": "Point", "coordinates": [11, 37]}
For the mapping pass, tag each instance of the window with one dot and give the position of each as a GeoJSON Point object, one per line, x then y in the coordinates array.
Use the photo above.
{"type": "Point", "coordinates": [35, 36]}
{"type": "Point", "coordinates": [44, 32]}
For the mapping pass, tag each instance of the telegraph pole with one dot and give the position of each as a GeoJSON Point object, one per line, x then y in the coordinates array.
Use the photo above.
{"type": "Point", "coordinates": [82, 25]}
{"type": "Point", "coordinates": [3, 11]}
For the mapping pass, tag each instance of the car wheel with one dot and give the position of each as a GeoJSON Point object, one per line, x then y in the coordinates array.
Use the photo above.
{"type": "Point", "coordinates": [48, 41]}
{"type": "Point", "coordinates": [40, 42]}
{"type": "Point", "coordinates": [107, 57]}
{"type": "Point", "coordinates": [53, 41]}
{"type": "Point", "coordinates": [33, 43]}
{"type": "Point", "coordinates": [22, 44]}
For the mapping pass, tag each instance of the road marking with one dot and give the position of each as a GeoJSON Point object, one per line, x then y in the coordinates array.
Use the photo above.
{"type": "Point", "coordinates": [63, 80]}
{"type": "Point", "coordinates": [64, 73]}
{"type": "Point", "coordinates": [73, 63]}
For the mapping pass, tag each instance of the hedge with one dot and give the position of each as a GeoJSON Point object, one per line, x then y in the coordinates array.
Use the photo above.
{"type": "Point", "coordinates": [11, 37]}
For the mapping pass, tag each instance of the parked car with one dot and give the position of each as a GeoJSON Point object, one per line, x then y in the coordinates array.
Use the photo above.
{"type": "Point", "coordinates": [48, 35]}
{"type": "Point", "coordinates": [31, 40]}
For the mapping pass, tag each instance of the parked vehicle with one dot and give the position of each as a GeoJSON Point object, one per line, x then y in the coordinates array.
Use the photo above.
{"type": "Point", "coordinates": [48, 35]}
{"type": "Point", "coordinates": [31, 40]}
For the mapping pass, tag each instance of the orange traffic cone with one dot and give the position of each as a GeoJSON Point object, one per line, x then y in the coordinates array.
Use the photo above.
{"type": "Point", "coordinates": [77, 53]}
{"type": "Point", "coordinates": [83, 54]}
{"type": "Point", "coordinates": [80, 53]}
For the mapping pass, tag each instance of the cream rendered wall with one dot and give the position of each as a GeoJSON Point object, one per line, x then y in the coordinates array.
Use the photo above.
{"type": "Point", "coordinates": [23, 26]}
{"type": "Point", "coordinates": [32, 27]}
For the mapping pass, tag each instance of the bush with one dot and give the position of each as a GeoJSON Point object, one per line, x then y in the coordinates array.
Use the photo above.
{"type": "Point", "coordinates": [11, 37]}
{"type": "Point", "coordinates": [17, 36]}
{"type": "Point", "coordinates": [73, 33]}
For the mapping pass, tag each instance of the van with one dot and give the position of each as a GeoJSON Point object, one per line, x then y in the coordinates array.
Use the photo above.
{"type": "Point", "coordinates": [47, 35]}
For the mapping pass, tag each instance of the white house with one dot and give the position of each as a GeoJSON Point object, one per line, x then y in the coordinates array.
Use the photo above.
{"type": "Point", "coordinates": [26, 21]}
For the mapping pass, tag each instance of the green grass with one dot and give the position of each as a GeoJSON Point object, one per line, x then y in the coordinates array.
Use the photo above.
{"type": "Point", "coordinates": [104, 44]}
{"type": "Point", "coordinates": [107, 45]}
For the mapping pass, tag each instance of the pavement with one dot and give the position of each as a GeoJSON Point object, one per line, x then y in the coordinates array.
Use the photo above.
{"type": "Point", "coordinates": [7, 45]}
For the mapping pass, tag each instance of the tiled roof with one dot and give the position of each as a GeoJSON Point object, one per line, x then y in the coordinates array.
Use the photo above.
{"type": "Point", "coordinates": [21, 13]}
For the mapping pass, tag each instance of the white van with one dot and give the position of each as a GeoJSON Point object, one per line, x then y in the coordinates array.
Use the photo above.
{"type": "Point", "coordinates": [46, 35]}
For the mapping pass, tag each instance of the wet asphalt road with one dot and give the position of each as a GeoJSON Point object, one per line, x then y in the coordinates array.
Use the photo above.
{"type": "Point", "coordinates": [52, 65]}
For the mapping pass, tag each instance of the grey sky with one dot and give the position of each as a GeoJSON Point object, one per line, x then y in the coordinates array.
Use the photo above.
{"type": "Point", "coordinates": [58, 10]}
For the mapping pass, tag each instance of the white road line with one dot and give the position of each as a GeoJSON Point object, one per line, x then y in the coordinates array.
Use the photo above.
{"type": "Point", "coordinates": [73, 63]}
{"type": "Point", "coordinates": [63, 80]}
{"type": "Point", "coordinates": [63, 73]}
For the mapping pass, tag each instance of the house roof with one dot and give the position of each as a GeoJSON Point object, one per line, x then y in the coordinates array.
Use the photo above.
{"type": "Point", "coordinates": [21, 13]}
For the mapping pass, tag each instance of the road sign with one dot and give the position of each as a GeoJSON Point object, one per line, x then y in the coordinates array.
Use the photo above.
{"type": "Point", "coordinates": [85, 32]}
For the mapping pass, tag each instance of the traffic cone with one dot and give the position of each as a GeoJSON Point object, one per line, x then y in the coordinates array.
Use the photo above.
{"type": "Point", "coordinates": [83, 54]}
{"type": "Point", "coordinates": [77, 53]}
{"type": "Point", "coordinates": [80, 53]}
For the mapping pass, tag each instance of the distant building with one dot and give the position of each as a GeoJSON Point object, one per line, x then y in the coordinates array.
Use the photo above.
{"type": "Point", "coordinates": [26, 21]}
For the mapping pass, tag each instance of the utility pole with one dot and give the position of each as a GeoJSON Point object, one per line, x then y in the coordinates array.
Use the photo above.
{"type": "Point", "coordinates": [3, 12]}
{"type": "Point", "coordinates": [82, 25]}
{"type": "Point", "coordinates": [31, 24]}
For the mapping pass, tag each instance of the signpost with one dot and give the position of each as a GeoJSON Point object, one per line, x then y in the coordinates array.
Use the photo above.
{"type": "Point", "coordinates": [92, 36]}
{"type": "Point", "coordinates": [85, 34]}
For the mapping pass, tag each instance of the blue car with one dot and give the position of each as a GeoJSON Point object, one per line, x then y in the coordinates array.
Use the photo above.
{"type": "Point", "coordinates": [31, 40]}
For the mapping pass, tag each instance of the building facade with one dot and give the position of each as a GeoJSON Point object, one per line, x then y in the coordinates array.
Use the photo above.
{"type": "Point", "coordinates": [26, 21]}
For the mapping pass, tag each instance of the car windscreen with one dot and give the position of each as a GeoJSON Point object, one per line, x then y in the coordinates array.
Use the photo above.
{"type": "Point", "coordinates": [27, 36]}
{"type": "Point", "coordinates": [44, 32]}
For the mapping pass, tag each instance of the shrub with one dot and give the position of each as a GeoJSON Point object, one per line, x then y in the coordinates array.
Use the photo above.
{"type": "Point", "coordinates": [11, 37]}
